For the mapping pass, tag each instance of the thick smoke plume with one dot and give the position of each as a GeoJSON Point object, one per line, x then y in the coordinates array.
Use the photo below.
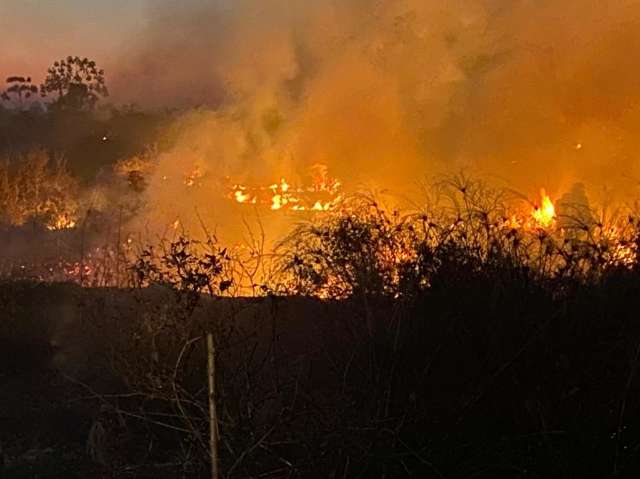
{"type": "Point", "coordinates": [529, 93]}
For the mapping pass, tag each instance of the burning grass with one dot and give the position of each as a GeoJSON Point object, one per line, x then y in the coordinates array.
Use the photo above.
{"type": "Point", "coordinates": [357, 245]}
{"type": "Point", "coordinates": [323, 194]}
{"type": "Point", "coordinates": [369, 249]}
{"type": "Point", "coordinates": [36, 188]}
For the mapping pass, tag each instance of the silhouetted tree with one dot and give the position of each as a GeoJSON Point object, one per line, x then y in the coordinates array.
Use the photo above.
{"type": "Point", "coordinates": [18, 90]}
{"type": "Point", "coordinates": [78, 83]}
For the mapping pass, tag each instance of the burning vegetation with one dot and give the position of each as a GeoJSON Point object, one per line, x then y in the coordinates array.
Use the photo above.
{"type": "Point", "coordinates": [544, 214]}
{"type": "Point", "coordinates": [39, 190]}
{"type": "Point", "coordinates": [368, 311]}
{"type": "Point", "coordinates": [322, 195]}
{"type": "Point", "coordinates": [355, 322]}
{"type": "Point", "coordinates": [350, 244]}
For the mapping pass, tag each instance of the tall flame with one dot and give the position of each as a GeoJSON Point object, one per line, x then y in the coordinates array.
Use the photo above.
{"type": "Point", "coordinates": [544, 214]}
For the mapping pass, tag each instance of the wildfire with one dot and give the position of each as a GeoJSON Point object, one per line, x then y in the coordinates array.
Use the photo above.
{"type": "Point", "coordinates": [61, 222]}
{"type": "Point", "coordinates": [544, 215]}
{"type": "Point", "coordinates": [323, 194]}
{"type": "Point", "coordinates": [280, 196]}
{"type": "Point", "coordinates": [241, 197]}
{"type": "Point", "coordinates": [191, 178]}
{"type": "Point", "coordinates": [623, 248]}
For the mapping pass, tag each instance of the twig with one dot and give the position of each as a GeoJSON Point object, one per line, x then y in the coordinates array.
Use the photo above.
{"type": "Point", "coordinates": [623, 406]}
{"type": "Point", "coordinates": [249, 450]}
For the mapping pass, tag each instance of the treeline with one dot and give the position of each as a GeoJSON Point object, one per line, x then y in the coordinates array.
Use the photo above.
{"type": "Point", "coordinates": [88, 140]}
{"type": "Point", "coordinates": [68, 115]}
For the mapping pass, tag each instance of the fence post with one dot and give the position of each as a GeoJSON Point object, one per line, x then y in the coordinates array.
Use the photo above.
{"type": "Point", "coordinates": [213, 415]}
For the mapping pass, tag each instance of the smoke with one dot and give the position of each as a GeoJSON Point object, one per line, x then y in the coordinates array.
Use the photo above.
{"type": "Point", "coordinates": [527, 93]}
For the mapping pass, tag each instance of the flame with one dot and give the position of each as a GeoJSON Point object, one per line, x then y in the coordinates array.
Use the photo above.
{"type": "Point", "coordinates": [625, 254]}
{"type": "Point", "coordinates": [318, 206]}
{"type": "Point", "coordinates": [240, 196]}
{"type": "Point", "coordinates": [277, 202]}
{"type": "Point", "coordinates": [623, 248]}
{"type": "Point", "coordinates": [61, 222]}
{"type": "Point", "coordinates": [191, 178]}
{"type": "Point", "coordinates": [323, 194]}
{"type": "Point", "coordinates": [322, 181]}
{"type": "Point", "coordinates": [513, 222]}
{"type": "Point", "coordinates": [544, 215]}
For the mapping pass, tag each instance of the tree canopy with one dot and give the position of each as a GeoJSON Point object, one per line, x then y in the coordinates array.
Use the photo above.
{"type": "Point", "coordinates": [77, 82]}
{"type": "Point", "coordinates": [19, 89]}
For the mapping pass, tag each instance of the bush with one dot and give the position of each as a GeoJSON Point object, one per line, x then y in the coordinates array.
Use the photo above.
{"type": "Point", "coordinates": [39, 189]}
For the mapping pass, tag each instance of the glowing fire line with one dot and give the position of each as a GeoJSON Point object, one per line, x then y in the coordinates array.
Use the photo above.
{"type": "Point", "coordinates": [323, 194]}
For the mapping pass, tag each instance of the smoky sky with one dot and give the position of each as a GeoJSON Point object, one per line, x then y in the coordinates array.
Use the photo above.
{"type": "Point", "coordinates": [531, 93]}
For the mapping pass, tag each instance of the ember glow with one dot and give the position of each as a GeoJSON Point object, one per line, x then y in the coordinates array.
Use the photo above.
{"type": "Point", "coordinates": [192, 178]}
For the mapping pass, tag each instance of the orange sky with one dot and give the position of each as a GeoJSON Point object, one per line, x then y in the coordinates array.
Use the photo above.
{"type": "Point", "coordinates": [37, 32]}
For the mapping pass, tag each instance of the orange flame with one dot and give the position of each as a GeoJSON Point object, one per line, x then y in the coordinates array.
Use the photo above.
{"type": "Point", "coordinates": [544, 215]}
{"type": "Point", "coordinates": [322, 195]}
{"type": "Point", "coordinates": [61, 222]}
{"type": "Point", "coordinates": [191, 178]}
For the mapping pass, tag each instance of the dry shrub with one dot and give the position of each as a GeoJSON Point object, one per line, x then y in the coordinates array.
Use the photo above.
{"type": "Point", "coordinates": [365, 249]}
{"type": "Point", "coordinates": [38, 188]}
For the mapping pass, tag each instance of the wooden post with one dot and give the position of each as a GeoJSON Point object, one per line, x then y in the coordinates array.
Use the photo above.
{"type": "Point", "coordinates": [213, 415]}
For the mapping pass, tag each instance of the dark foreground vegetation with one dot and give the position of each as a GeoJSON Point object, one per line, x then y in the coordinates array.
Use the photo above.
{"type": "Point", "coordinates": [462, 357]}
{"type": "Point", "coordinates": [453, 342]}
